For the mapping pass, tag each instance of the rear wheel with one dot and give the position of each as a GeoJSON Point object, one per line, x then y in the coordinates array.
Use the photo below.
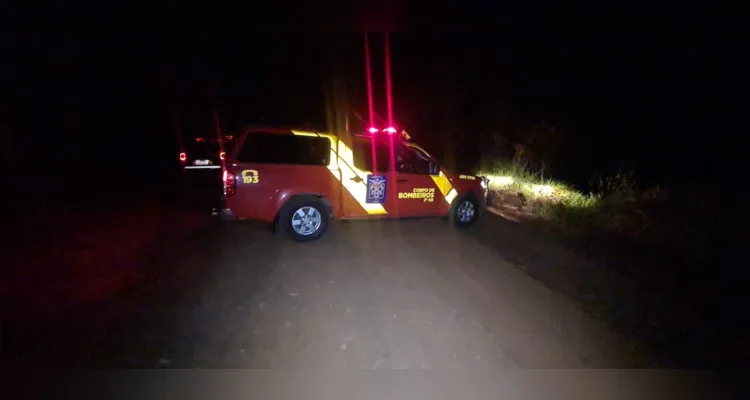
{"type": "Point", "coordinates": [304, 219]}
{"type": "Point", "coordinates": [465, 211]}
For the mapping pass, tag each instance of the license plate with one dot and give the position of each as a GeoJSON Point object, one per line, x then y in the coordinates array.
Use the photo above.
{"type": "Point", "coordinates": [202, 162]}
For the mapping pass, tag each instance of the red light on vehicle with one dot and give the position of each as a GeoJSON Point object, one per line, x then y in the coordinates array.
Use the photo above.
{"type": "Point", "coordinates": [183, 156]}
{"type": "Point", "coordinates": [230, 183]}
{"type": "Point", "coordinates": [391, 130]}
{"type": "Point", "coordinates": [222, 155]}
{"type": "Point", "coordinates": [199, 139]}
{"type": "Point", "coordinates": [373, 130]}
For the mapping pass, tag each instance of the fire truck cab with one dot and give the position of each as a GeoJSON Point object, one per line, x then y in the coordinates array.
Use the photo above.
{"type": "Point", "coordinates": [300, 180]}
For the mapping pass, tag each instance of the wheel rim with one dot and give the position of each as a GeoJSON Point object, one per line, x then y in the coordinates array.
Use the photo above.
{"type": "Point", "coordinates": [306, 220]}
{"type": "Point", "coordinates": [466, 211]}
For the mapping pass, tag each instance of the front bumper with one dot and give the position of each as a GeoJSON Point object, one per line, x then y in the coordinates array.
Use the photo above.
{"type": "Point", "coordinates": [487, 200]}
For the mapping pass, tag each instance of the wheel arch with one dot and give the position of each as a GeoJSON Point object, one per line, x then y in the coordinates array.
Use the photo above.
{"type": "Point", "coordinates": [302, 196]}
{"type": "Point", "coordinates": [463, 195]}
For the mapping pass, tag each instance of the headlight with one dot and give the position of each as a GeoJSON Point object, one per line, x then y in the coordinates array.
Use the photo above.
{"type": "Point", "coordinates": [484, 182]}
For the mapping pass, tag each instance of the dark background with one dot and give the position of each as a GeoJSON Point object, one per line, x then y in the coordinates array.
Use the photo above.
{"type": "Point", "coordinates": [89, 96]}
{"type": "Point", "coordinates": [91, 101]}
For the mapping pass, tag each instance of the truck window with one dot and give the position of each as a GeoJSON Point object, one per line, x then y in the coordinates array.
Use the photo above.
{"type": "Point", "coordinates": [269, 148]}
{"type": "Point", "coordinates": [363, 156]}
{"type": "Point", "coordinates": [413, 161]}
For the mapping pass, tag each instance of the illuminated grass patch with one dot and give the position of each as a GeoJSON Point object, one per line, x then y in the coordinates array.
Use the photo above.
{"type": "Point", "coordinates": [543, 197]}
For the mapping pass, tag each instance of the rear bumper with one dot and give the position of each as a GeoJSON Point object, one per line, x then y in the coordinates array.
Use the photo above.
{"type": "Point", "coordinates": [224, 214]}
{"type": "Point", "coordinates": [202, 167]}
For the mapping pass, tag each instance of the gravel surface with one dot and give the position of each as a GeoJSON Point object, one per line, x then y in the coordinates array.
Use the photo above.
{"type": "Point", "coordinates": [408, 294]}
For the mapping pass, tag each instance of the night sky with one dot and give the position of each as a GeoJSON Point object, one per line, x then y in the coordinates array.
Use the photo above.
{"type": "Point", "coordinates": [662, 96]}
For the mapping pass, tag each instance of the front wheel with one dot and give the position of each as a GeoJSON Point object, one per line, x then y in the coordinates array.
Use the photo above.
{"type": "Point", "coordinates": [304, 220]}
{"type": "Point", "coordinates": [465, 212]}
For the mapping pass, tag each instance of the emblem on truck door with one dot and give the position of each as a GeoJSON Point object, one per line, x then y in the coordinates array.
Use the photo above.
{"type": "Point", "coordinates": [249, 176]}
{"type": "Point", "coordinates": [376, 188]}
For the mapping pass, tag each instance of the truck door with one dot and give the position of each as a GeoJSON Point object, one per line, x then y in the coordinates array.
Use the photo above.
{"type": "Point", "coordinates": [417, 194]}
{"type": "Point", "coordinates": [379, 181]}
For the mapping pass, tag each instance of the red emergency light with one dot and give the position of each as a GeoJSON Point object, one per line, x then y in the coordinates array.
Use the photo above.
{"type": "Point", "coordinates": [389, 130]}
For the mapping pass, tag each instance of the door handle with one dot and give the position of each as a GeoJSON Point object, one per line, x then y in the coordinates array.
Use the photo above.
{"type": "Point", "coordinates": [401, 180]}
{"type": "Point", "coordinates": [357, 179]}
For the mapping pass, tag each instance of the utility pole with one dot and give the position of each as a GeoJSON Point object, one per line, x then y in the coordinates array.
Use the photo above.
{"type": "Point", "coordinates": [370, 106]}
{"type": "Point", "coordinates": [220, 139]}
{"type": "Point", "coordinates": [388, 97]}
{"type": "Point", "coordinates": [389, 103]}
{"type": "Point", "coordinates": [217, 124]}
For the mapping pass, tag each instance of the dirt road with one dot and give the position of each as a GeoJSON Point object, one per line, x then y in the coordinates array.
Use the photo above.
{"type": "Point", "coordinates": [410, 294]}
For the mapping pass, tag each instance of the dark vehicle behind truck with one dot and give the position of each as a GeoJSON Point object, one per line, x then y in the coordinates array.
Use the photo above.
{"type": "Point", "coordinates": [201, 162]}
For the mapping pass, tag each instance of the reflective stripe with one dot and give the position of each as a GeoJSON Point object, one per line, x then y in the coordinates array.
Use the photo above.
{"type": "Point", "coordinates": [445, 187]}
{"type": "Point", "coordinates": [451, 196]}
{"type": "Point", "coordinates": [300, 133]}
{"type": "Point", "coordinates": [203, 167]}
{"type": "Point", "coordinates": [342, 161]}
{"type": "Point", "coordinates": [441, 181]}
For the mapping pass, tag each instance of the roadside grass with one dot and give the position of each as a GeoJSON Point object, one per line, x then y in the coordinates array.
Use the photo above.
{"type": "Point", "coordinates": [680, 282]}
{"type": "Point", "coordinates": [620, 221]}
{"type": "Point", "coordinates": [561, 203]}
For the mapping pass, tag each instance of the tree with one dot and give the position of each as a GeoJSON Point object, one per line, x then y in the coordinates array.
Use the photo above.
{"type": "Point", "coordinates": [492, 127]}
{"type": "Point", "coordinates": [538, 147]}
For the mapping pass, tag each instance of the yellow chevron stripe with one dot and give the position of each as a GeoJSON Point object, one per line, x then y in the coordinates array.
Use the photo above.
{"type": "Point", "coordinates": [451, 196]}
{"type": "Point", "coordinates": [445, 187]}
{"type": "Point", "coordinates": [441, 181]}
{"type": "Point", "coordinates": [342, 160]}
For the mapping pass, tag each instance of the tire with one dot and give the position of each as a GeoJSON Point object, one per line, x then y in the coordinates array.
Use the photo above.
{"type": "Point", "coordinates": [304, 219]}
{"type": "Point", "coordinates": [460, 216]}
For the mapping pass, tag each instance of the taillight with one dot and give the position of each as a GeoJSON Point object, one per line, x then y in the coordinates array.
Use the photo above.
{"type": "Point", "coordinates": [183, 157]}
{"type": "Point", "coordinates": [223, 155]}
{"type": "Point", "coordinates": [230, 183]}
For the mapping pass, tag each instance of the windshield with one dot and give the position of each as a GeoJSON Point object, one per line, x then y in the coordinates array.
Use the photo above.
{"type": "Point", "coordinates": [422, 153]}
